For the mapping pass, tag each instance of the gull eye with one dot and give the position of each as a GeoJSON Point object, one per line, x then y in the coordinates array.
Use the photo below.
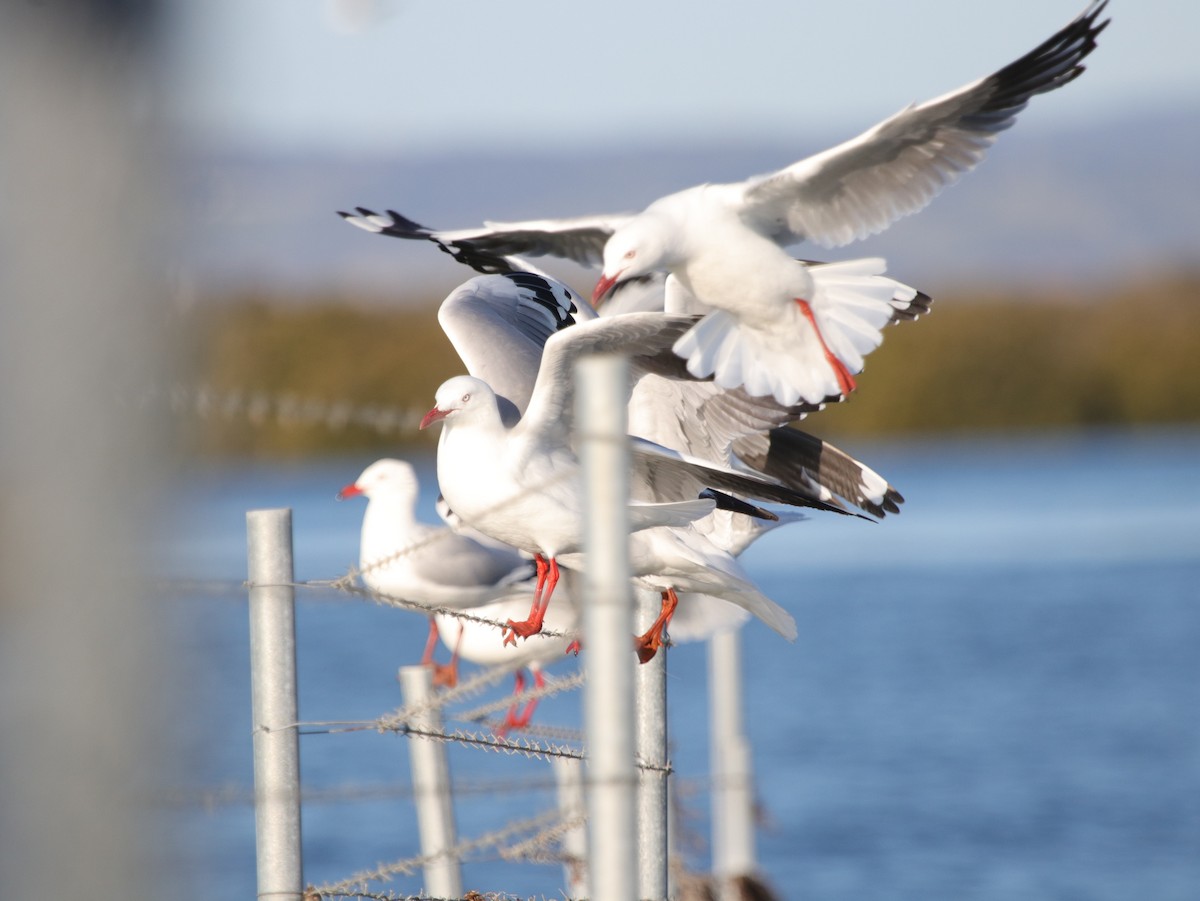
{"type": "Point", "coordinates": [465, 398]}
{"type": "Point", "coordinates": [630, 254]}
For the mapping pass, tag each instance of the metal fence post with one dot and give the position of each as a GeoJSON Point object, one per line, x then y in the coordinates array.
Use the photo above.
{"type": "Point", "coordinates": [568, 775]}
{"type": "Point", "coordinates": [650, 687]}
{"type": "Point", "coordinates": [431, 787]}
{"type": "Point", "coordinates": [608, 626]}
{"type": "Point", "coordinates": [732, 768]}
{"type": "Point", "coordinates": [273, 698]}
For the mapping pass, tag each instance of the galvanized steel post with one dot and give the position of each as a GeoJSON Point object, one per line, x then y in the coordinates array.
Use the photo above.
{"type": "Point", "coordinates": [568, 775]}
{"type": "Point", "coordinates": [650, 689]}
{"type": "Point", "coordinates": [273, 699]}
{"type": "Point", "coordinates": [732, 768]}
{"type": "Point", "coordinates": [431, 787]}
{"type": "Point", "coordinates": [600, 416]}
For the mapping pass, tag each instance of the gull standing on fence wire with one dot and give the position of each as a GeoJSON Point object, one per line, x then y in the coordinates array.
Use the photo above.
{"type": "Point", "coordinates": [520, 483]}
{"type": "Point", "coordinates": [425, 564]}
{"type": "Point", "coordinates": [777, 326]}
{"type": "Point", "coordinates": [499, 326]}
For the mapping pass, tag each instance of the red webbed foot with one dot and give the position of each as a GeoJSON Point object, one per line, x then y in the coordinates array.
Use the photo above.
{"type": "Point", "coordinates": [647, 644]}
{"type": "Point", "coordinates": [845, 380]}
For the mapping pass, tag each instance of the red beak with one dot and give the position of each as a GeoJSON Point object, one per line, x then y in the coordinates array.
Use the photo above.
{"type": "Point", "coordinates": [433, 416]}
{"type": "Point", "coordinates": [350, 490]}
{"type": "Point", "coordinates": [603, 287]}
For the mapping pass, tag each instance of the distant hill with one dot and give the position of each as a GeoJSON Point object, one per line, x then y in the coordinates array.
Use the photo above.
{"type": "Point", "coordinates": [1059, 205]}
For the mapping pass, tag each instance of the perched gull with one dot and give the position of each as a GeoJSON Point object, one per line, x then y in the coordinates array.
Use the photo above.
{"type": "Point", "coordinates": [425, 564]}
{"type": "Point", "coordinates": [499, 326]}
{"type": "Point", "coordinates": [519, 483]}
{"type": "Point", "coordinates": [777, 326]}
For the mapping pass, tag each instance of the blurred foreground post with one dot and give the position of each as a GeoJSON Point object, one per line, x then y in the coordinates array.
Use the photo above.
{"type": "Point", "coordinates": [650, 688]}
{"type": "Point", "coordinates": [87, 653]}
{"type": "Point", "coordinates": [273, 692]}
{"type": "Point", "coordinates": [431, 786]}
{"type": "Point", "coordinates": [600, 417]}
{"type": "Point", "coordinates": [732, 768]}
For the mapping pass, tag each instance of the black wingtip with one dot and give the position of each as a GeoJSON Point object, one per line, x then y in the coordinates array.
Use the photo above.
{"type": "Point", "coordinates": [403, 222]}
{"type": "Point", "coordinates": [735, 505]}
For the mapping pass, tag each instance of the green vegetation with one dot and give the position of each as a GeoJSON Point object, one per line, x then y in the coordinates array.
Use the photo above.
{"type": "Point", "coordinates": [1122, 357]}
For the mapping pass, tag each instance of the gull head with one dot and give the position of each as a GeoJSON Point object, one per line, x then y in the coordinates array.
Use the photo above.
{"type": "Point", "coordinates": [638, 247]}
{"type": "Point", "coordinates": [391, 477]}
{"type": "Point", "coordinates": [460, 397]}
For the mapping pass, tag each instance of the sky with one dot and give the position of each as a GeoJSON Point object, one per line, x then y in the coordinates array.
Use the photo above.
{"type": "Point", "coordinates": [429, 76]}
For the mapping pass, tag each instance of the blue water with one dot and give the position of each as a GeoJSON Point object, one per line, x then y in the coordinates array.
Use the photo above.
{"type": "Point", "coordinates": [993, 695]}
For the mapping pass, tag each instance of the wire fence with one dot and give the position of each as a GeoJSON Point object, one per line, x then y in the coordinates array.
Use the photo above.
{"type": "Point", "coordinates": [532, 839]}
{"type": "Point", "coordinates": [288, 409]}
{"type": "Point", "coordinates": [537, 839]}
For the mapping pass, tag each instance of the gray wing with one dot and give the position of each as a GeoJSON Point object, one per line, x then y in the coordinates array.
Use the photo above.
{"type": "Point", "coordinates": [862, 186]}
{"type": "Point", "coordinates": [662, 474]}
{"type": "Point", "coordinates": [702, 419]}
{"type": "Point", "coordinates": [457, 561]}
{"type": "Point", "coordinates": [732, 429]}
{"type": "Point", "coordinates": [645, 338]}
{"type": "Point", "coordinates": [798, 459]}
{"type": "Point", "coordinates": [487, 249]}
{"type": "Point", "coordinates": [498, 324]}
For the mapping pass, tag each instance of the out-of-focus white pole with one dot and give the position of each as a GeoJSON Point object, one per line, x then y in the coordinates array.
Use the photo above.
{"type": "Point", "coordinates": [88, 649]}
{"type": "Point", "coordinates": [568, 774]}
{"type": "Point", "coordinates": [273, 696]}
{"type": "Point", "coordinates": [732, 767]}
{"type": "Point", "coordinates": [608, 626]}
{"type": "Point", "coordinates": [431, 787]}
{"type": "Point", "coordinates": [650, 689]}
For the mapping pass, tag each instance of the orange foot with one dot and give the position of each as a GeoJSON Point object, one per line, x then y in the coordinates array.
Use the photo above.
{"type": "Point", "coordinates": [520, 719]}
{"type": "Point", "coordinates": [647, 644]}
{"type": "Point", "coordinates": [845, 380]}
{"type": "Point", "coordinates": [445, 675]}
{"type": "Point", "coordinates": [524, 628]}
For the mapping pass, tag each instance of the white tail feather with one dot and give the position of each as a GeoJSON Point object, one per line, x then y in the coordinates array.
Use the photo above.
{"type": "Point", "coordinates": [680, 513]}
{"type": "Point", "coordinates": [852, 301]}
{"type": "Point", "coordinates": [761, 606]}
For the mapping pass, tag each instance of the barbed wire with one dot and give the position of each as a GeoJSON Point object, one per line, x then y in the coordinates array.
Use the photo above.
{"type": "Point", "coordinates": [359, 882]}
{"type": "Point", "coordinates": [553, 686]}
{"type": "Point", "coordinates": [312, 893]}
{"type": "Point", "coordinates": [211, 799]}
{"type": "Point", "coordinates": [440, 700]}
{"type": "Point", "coordinates": [287, 409]}
{"type": "Point", "coordinates": [489, 741]}
{"type": "Point", "coordinates": [346, 585]}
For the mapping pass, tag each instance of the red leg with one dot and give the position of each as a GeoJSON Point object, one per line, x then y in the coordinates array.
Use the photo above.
{"type": "Point", "coordinates": [539, 681]}
{"type": "Point", "coordinates": [430, 643]}
{"type": "Point", "coordinates": [543, 571]}
{"type": "Point", "coordinates": [511, 720]}
{"type": "Point", "coordinates": [533, 625]}
{"type": "Point", "coordinates": [515, 720]}
{"type": "Point", "coordinates": [845, 379]}
{"type": "Point", "coordinates": [447, 676]}
{"type": "Point", "coordinates": [648, 643]}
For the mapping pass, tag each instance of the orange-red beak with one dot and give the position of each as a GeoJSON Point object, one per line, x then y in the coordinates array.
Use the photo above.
{"type": "Point", "coordinates": [433, 416]}
{"type": "Point", "coordinates": [350, 490]}
{"type": "Point", "coordinates": [603, 287]}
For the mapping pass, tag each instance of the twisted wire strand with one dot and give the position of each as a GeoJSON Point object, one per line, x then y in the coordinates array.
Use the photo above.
{"type": "Point", "coordinates": [552, 687]}
{"type": "Point", "coordinates": [359, 882]}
